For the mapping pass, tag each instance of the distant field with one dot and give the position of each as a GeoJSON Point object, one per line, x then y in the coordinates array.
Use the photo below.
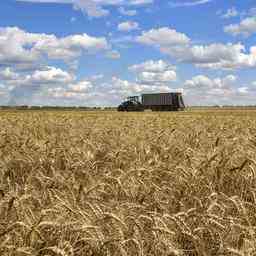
{"type": "Point", "coordinates": [108, 183]}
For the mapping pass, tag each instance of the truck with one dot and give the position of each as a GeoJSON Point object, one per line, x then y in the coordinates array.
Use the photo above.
{"type": "Point", "coordinates": [172, 101]}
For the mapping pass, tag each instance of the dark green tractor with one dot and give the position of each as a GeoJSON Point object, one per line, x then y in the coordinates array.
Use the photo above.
{"type": "Point", "coordinates": [131, 104]}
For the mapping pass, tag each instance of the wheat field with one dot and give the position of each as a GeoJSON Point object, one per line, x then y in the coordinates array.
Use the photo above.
{"type": "Point", "coordinates": [109, 183]}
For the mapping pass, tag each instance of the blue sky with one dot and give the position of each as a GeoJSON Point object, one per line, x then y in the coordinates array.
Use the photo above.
{"type": "Point", "coordinates": [97, 52]}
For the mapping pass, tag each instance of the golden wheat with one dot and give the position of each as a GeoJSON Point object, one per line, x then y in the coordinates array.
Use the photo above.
{"type": "Point", "coordinates": [108, 183]}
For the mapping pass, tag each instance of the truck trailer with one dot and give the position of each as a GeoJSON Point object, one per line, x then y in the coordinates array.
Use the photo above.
{"type": "Point", "coordinates": [156, 102]}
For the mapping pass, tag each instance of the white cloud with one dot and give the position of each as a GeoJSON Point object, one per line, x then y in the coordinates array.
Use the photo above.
{"type": "Point", "coordinates": [128, 26]}
{"type": "Point", "coordinates": [96, 77]}
{"type": "Point", "coordinates": [238, 59]}
{"type": "Point", "coordinates": [8, 75]}
{"type": "Point", "coordinates": [51, 75]}
{"type": "Point", "coordinates": [230, 13]}
{"type": "Point", "coordinates": [204, 82]}
{"type": "Point", "coordinates": [152, 66]}
{"type": "Point", "coordinates": [3, 94]}
{"type": "Point", "coordinates": [154, 72]}
{"type": "Point", "coordinates": [58, 87]}
{"type": "Point", "coordinates": [124, 88]}
{"type": "Point", "coordinates": [108, 93]}
{"type": "Point", "coordinates": [243, 90]}
{"type": "Point", "coordinates": [20, 48]}
{"type": "Point", "coordinates": [14, 47]}
{"type": "Point", "coordinates": [215, 56]}
{"type": "Point", "coordinates": [138, 2]}
{"type": "Point", "coordinates": [126, 12]}
{"type": "Point", "coordinates": [81, 86]}
{"type": "Point", "coordinates": [189, 3]}
{"type": "Point", "coordinates": [122, 41]}
{"type": "Point", "coordinates": [69, 47]}
{"type": "Point", "coordinates": [94, 8]}
{"type": "Point", "coordinates": [246, 27]}
{"type": "Point", "coordinates": [37, 78]}
{"type": "Point", "coordinates": [47, 84]}
{"type": "Point", "coordinates": [52, 85]}
{"type": "Point", "coordinates": [66, 94]}
{"type": "Point", "coordinates": [162, 37]}
{"type": "Point", "coordinates": [202, 90]}
{"type": "Point", "coordinates": [151, 77]}
{"type": "Point", "coordinates": [248, 90]}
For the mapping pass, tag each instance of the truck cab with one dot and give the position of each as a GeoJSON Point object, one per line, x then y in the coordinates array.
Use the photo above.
{"type": "Point", "coordinates": [131, 104]}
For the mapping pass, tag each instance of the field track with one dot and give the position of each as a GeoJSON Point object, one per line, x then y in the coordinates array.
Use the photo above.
{"type": "Point", "coordinates": [108, 183]}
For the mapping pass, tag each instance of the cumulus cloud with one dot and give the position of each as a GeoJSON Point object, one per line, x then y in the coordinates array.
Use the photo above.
{"type": "Point", "coordinates": [81, 86]}
{"type": "Point", "coordinates": [95, 8]}
{"type": "Point", "coordinates": [204, 82]}
{"type": "Point", "coordinates": [73, 92]}
{"type": "Point", "coordinates": [58, 87]}
{"type": "Point", "coordinates": [51, 82]}
{"type": "Point", "coordinates": [48, 76]}
{"type": "Point", "coordinates": [202, 90]}
{"type": "Point", "coordinates": [189, 3]}
{"type": "Point", "coordinates": [246, 27]}
{"type": "Point", "coordinates": [163, 37]}
{"type": "Point", "coordinates": [107, 93]}
{"type": "Point", "coordinates": [127, 12]}
{"type": "Point", "coordinates": [214, 56]}
{"type": "Point", "coordinates": [15, 47]}
{"type": "Point", "coordinates": [128, 26]}
{"type": "Point", "coordinates": [151, 77]}
{"type": "Point", "coordinates": [8, 75]}
{"type": "Point", "coordinates": [69, 47]}
{"type": "Point", "coordinates": [51, 75]}
{"type": "Point", "coordinates": [152, 66]}
{"type": "Point", "coordinates": [124, 88]}
{"type": "Point", "coordinates": [19, 48]}
{"type": "Point", "coordinates": [248, 90]}
{"type": "Point", "coordinates": [24, 87]}
{"type": "Point", "coordinates": [154, 72]}
{"type": "Point", "coordinates": [52, 85]}
{"type": "Point", "coordinates": [96, 77]}
{"type": "Point", "coordinates": [81, 92]}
